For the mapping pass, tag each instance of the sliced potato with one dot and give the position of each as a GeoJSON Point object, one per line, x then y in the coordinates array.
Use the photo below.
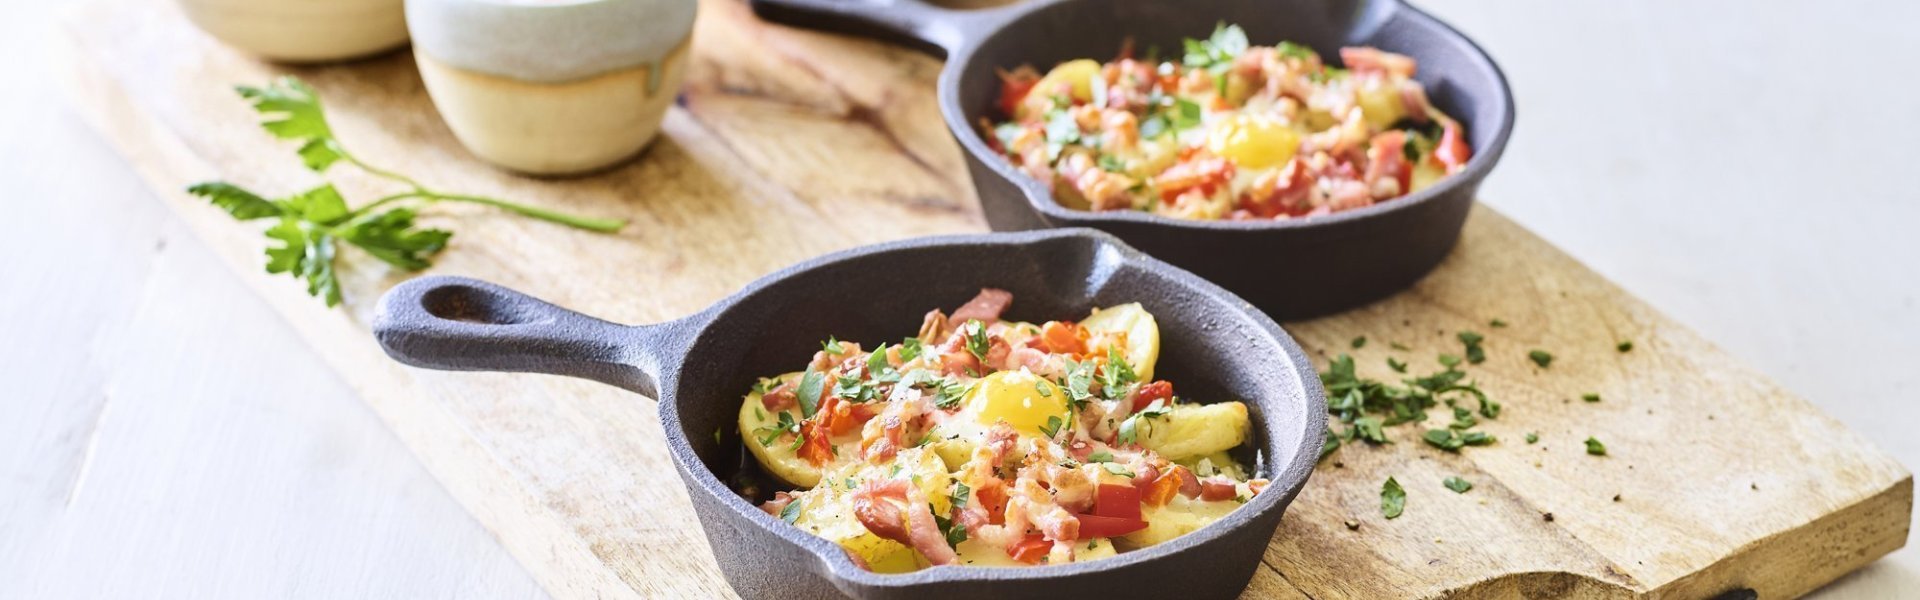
{"type": "Point", "coordinates": [777, 458]}
{"type": "Point", "coordinates": [976, 554]}
{"type": "Point", "coordinates": [1195, 430]}
{"type": "Point", "coordinates": [827, 510]}
{"type": "Point", "coordinates": [1179, 517]}
{"type": "Point", "coordinates": [1142, 333]}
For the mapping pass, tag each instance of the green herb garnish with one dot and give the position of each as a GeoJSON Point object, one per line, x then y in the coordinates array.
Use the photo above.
{"type": "Point", "coordinates": [977, 342]}
{"type": "Point", "coordinates": [1624, 346]}
{"type": "Point", "coordinates": [1596, 448]}
{"type": "Point", "coordinates": [1359, 342]}
{"type": "Point", "coordinates": [311, 225]}
{"type": "Point", "coordinates": [1393, 499]}
{"type": "Point", "coordinates": [1532, 437]}
{"type": "Point", "coordinates": [809, 392]}
{"type": "Point", "coordinates": [1496, 323]}
{"type": "Point", "coordinates": [1397, 366]}
{"type": "Point", "coordinates": [1590, 397]}
{"type": "Point", "coordinates": [1458, 485]}
{"type": "Point", "coordinates": [1475, 354]}
{"type": "Point", "coordinates": [791, 512]}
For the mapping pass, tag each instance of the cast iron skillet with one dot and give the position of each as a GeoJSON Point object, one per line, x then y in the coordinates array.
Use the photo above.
{"type": "Point", "coordinates": [1292, 269]}
{"type": "Point", "coordinates": [1214, 347]}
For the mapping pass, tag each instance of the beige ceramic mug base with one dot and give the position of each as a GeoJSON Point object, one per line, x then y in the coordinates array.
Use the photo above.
{"type": "Point", "coordinates": [554, 128]}
{"type": "Point", "coordinates": [302, 31]}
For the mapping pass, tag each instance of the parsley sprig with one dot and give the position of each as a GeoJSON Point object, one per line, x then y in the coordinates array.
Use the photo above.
{"type": "Point", "coordinates": [311, 225]}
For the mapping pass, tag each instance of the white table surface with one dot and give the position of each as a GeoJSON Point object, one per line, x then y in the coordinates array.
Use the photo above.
{"type": "Point", "coordinates": [1746, 167]}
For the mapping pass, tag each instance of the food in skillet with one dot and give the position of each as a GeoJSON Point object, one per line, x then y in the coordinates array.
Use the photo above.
{"type": "Point", "coordinates": [988, 442]}
{"type": "Point", "coordinates": [1229, 131]}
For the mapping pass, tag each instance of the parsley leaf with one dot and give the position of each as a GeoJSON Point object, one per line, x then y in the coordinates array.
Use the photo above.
{"type": "Point", "coordinates": [312, 224]}
{"type": "Point", "coordinates": [1590, 397]}
{"type": "Point", "coordinates": [1117, 469]}
{"type": "Point", "coordinates": [1397, 366]}
{"type": "Point", "coordinates": [1052, 428]}
{"type": "Point", "coordinates": [1532, 437]}
{"type": "Point", "coordinates": [809, 392]}
{"type": "Point", "coordinates": [1596, 448]}
{"type": "Point", "coordinates": [1393, 499]}
{"type": "Point", "coordinates": [791, 512]}
{"type": "Point", "coordinates": [1496, 323]}
{"type": "Point", "coordinates": [1359, 342]}
{"type": "Point", "coordinates": [1100, 457]}
{"type": "Point", "coordinates": [1475, 354]}
{"type": "Point", "coordinates": [1540, 357]}
{"type": "Point", "coordinates": [977, 342]}
{"type": "Point", "coordinates": [1458, 485]}
{"type": "Point", "coordinates": [909, 349]}
{"type": "Point", "coordinates": [1624, 346]}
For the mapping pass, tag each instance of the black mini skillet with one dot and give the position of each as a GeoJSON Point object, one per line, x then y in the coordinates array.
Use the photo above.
{"type": "Point", "coordinates": [1214, 346]}
{"type": "Point", "coordinates": [1292, 269]}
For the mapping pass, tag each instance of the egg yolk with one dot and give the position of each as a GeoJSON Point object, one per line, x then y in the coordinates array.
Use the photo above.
{"type": "Point", "coordinates": [1023, 400]}
{"type": "Point", "coordinates": [1253, 142]}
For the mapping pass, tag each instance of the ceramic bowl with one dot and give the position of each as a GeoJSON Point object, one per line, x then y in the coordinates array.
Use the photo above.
{"type": "Point", "coordinates": [552, 87]}
{"type": "Point", "coordinates": [302, 31]}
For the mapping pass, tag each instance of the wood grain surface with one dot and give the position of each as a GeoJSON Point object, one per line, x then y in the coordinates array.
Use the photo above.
{"type": "Point", "coordinates": [790, 143]}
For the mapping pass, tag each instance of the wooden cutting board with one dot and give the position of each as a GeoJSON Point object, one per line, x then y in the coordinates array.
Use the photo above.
{"type": "Point", "coordinates": [788, 144]}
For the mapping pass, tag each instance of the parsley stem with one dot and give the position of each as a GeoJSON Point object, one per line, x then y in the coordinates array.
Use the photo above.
{"type": "Point", "coordinates": [587, 223]}
{"type": "Point", "coordinates": [376, 170]}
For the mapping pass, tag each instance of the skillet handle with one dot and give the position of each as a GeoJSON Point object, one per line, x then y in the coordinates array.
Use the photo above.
{"type": "Point", "coordinates": [461, 324]}
{"type": "Point", "coordinates": [932, 29]}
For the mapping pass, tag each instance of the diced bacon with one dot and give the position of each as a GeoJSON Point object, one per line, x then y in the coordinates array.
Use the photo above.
{"type": "Point", "coordinates": [824, 360]}
{"type": "Point", "coordinates": [1217, 488]}
{"type": "Point", "coordinates": [997, 352]}
{"type": "Point", "coordinates": [1175, 479]}
{"type": "Point", "coordinates": [877, 504]}
{"type": "Point", "coordinates": [1413, 98]}
{"type": "Point", "coordinates": [1367, 60]}
{"type": "Point", "coordinates": [817, 449]}
{"type": "Point", "coordinates": [1189, 484]}
{"type": "Point", "coordinates": [778, 503]}
{"type": "Point", "coordinates": [779, 398]}
{"type": "Point", "coordinates": [1032, 359]}
{"type": "Point", "coordinates": [1144, 475]}
{"type": "Point", "coordinates": [924, 533]}
{"type": "Point", "coordinates": [984, 307]}
{"type": "Point", "coordinates": [1388, 173]}
{"type": "Point", "coordinates": [1452, 150]}
{"type": "Point", "coordinates": [934, 326]}
{"type": "Point", "coordinates": [1051, 520]}
{"type": "Point", "coordinates": [1202, 175]}
{"type": "Point", "coordinates": [1282, 192]}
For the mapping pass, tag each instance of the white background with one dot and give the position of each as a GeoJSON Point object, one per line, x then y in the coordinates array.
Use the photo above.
{"type": "Point", "coordinates": [1749, 168]}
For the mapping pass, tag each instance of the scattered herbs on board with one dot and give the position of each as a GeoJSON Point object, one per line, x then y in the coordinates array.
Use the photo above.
{"type": "Point", "coordinates": [1471, 340]}
{"type": "Point", "coordinates": [1624, 346]}
{"type": "Point", "coordinates": [1590, 397]}
{"type": "Point", "coordinates": [1458, 485]}
{"type": "Point", "coordinates": [309, 227]}
{"type": "Point", "coordinates": [1393, 499]}
{"type": "Point", "coordinates": [1596, 448]}
{"type": "Point", "coordinates": [1540, 357]}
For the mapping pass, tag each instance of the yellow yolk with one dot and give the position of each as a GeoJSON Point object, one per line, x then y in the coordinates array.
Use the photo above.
{"type": "Point", "coordinates": [1253, 142]}
{"type": "Point", "coordinates": [1024, 400]}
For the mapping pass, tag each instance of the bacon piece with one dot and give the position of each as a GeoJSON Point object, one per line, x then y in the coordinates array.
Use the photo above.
{"type": "Point", "coordinates": [1282, 192]}
{"type": "Point", "coordinates": [1413, 98]}
{"type": "Point", "coordinates": [1189, 484]}
{"type": "Point", "coordinates": [1217, 488]}
{"type": "Point", "coordinates": [824, 360]}
{"type": "Point", "coordinates": [1389, 175]}
{"type": "Point", "coordinates": [985, 307]}
{"type": "Point", "coordinates": [877, 504]}
{"type": "Point", "coordinates": [1452, 150]}
{"type": "Point", "coordinates": [1202, 175]}
{"type": "Point", "coordinates": [778, 503]}
{"type": "Point", "coordinates": [1257, 485]}
{"type": "Point", "coordinates": [1361, 59]}
{"type": "Point", "coordinates": [924, 532]}
{"type": "Point", "coordinates": [779, 398]}
{"type": "Point", "coordinates": [817, 449]}
{"type": "Point", "coordinates": [1051, 520]}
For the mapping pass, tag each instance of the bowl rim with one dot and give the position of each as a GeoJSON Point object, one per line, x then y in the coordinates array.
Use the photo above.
{"type": "Point", "coordinates": [1041, 201]}
{"type": "Point", "coordinates": [1287, 478]}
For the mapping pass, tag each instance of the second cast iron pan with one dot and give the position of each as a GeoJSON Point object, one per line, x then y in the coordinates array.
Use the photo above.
{"type": "Point", "coordinates": [1292, 269]}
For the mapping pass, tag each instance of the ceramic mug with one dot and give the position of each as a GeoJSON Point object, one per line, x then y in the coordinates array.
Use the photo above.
{"type": "Point", "coordinates": [302, 30]}
{"type": "Point", "coordinates": [551, 87]}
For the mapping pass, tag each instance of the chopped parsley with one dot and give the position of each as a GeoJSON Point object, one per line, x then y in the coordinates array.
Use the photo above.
{"type": "Point", "coordinates": [1458, 485]}
{"type": "Point", "coordinates": [1448, 360]}
{"type": "Point", "coordinates": [977, 342]}
{"type": "Point", "coordinates": [1624, 346]}
{"type": "Point", "coordinates": [909, 349]}
{"type": "Point", "coordinates": [1393, 499]}
{"type": "Point", "coordinates": [1117, 469]}
{"type": "Point", "coordinates": [1475, 354]}
{"type": "Point", "coordinates": [1397, 366]}
{"type": "Point", "coordinates": [809, 392]}
{"type": "Point", "coordinates": [1532, 437]}
{"type": "Point", "coordinates": [1359, 342]}
{"type": "Point", "coordinates": [1052, 428]}
{"type": "Point", "coordinates": [1130, 428]}
{"type": "Point", "coordinates": [791, 512]}
{"type": "Point", "coordinates": [1217, 52]}
{"type": "Point", "coordinates": [832, 346]}
{"type": "Point", "coordinates": [1540, 357]}
{"type": "Point", "coordinates": [1590, 397]}
{"type": "Point", "coordinates": [1496, 323]}
{"type": "Point", "coordinates": [1100, 457]}
{"type": "Point", "coordinates": [766, 434]}
{"type": "Point", "coordinates": [1596, 448]}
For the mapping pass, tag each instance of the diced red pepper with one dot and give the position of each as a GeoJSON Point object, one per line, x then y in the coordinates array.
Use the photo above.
{"type": "Point", "coordinates": [1014, 87]}
{"type": "Point", "coordinates": [1168, 485]}
{"type": "Point", "coordinates": [1147, 394]}
{"type": "Point", "coordinates": [817, 449]}
{"type": "Point", "coordinates": [1096, 526]}
{"type": "Point", "coordinates": [994, 499]}
{"type": "Point", "coordinates": [1060, 337]}
{"type": "Point", "coordinates": [1117, 501]}
{"type": "Point", "coordinates": [1031, 550]}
